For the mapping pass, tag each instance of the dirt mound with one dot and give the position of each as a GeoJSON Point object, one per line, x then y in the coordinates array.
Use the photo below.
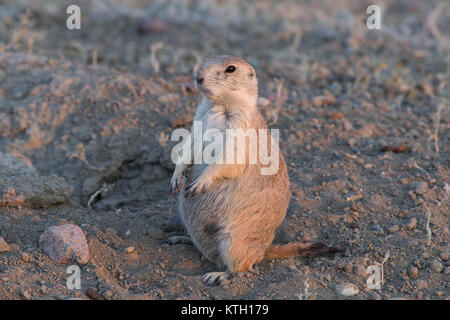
{"type": "Point", "coordinates": [88, 125]}
{"type": "Point", "coordinates": [21, 185]}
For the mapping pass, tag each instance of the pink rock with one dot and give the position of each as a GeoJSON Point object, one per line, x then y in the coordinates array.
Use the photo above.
{"type": "Point", "coordinates": [65, 244]}
{"type": "Point", "coordinates": [151, 25]}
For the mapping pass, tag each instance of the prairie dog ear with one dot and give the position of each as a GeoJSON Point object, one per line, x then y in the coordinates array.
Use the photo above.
{"type": "Point", "coordinates": [251, 73]}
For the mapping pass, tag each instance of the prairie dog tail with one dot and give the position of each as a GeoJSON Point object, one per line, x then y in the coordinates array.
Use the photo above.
{"type": "Point", "coordinates": [298, 249]}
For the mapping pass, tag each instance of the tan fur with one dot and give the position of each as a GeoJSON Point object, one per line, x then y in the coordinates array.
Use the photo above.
{"type": "Point", "coordinates": [234, 210]}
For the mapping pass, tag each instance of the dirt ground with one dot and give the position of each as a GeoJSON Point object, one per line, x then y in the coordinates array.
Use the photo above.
{"type": "Point", "coordinates": [364, 127]}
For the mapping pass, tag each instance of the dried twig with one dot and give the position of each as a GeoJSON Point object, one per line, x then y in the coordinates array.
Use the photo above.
{"type": "Point", "coordinates": [427, 227]}
{"type": "Point", "coordinates": [272, 113]}
{"type": "Point", "coordinates": [386, 257]}
{"type": "Point", "coordinates": [30, 45]}
{"type": "Point", "coordinates": [95, 57]}
{"type": "Point", "coordinates": [431, 24]}
{"type": "Point", "coordinates": [436, 123]}
{"type": "Point", "coordinates": [415, 165]}
{"type": "Point", "coordinates": [154, 48]}
{"type": "Point", "coordinates": [395, 149]}
{"type": "Point", "coordinates": [104, 189]}
{"type": "Point", "coordinates": [297, 38]}
{"type": "Point", "coordinates": [80, 153]}
{"type": "Point", "coordinates": [162, 140]}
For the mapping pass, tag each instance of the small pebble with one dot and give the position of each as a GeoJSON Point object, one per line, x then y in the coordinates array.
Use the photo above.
{"type": "Point", "coordinates": [108, 294]}
{"type": "Point", "coordinates": [393, 228]}
{"type": "Point", "coordinates": [421, 187]}
{"type": "Point", "coordinates": [353, 197]}
{"type": "Point", "coordinates": [348, 267]}
{"type": "Point", "coordinates": [376, 296]}
{"type": "Point", "coordinates": [4, 247]}
{"type": "Point", "coordinates": [44, 290]}
{"type": "Point", "coordinates": [411, 224]}
{"type": "Point", "coordinates": [414, 243]}
{"type": "Point", "coordinates": [413, 272]}
{"type": "Point", "coordinates": [369, 166]}
{"type": "Point", "coordinates": [347, 289]}
{"type": "Point", "coordinates": [93, 294]}
{"type": "Point", "coordinates": [445, 255]}
{"type": "Point", "coordinates": [111, 231]}
{"type": "Point", "coordinates": [447, 271]}
{"type": "Point", "coordinates": [377, 229]}
{"type": "Point", "coordinates": [129, 250]}
{"type": "Point", "coordinates": [25, 257]}
{"type": "Point", "coordinates": [421, 284]}
{"type": "Point", "coordinates": [151, 25]}
{"type": "Point", "coordinates": [436, 266]}
{"type": "Point", "coordinates": [128, 233]}
{"type": "Point", "coordinates": [25, 294]}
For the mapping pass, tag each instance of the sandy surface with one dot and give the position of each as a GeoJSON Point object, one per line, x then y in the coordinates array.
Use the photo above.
{"type": "Point", "coordinates": [360, 115]}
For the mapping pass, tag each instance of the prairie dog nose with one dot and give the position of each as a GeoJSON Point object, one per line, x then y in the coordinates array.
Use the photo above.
{"type": "Point", "coordinates": [198, 78]}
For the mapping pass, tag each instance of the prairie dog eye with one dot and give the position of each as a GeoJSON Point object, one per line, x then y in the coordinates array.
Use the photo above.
{"type": "Point", "coordinates": [230, 69]}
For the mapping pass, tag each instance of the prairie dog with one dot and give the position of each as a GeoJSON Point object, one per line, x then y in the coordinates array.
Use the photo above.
{"type": "Point", "coordinates": [231, 211]}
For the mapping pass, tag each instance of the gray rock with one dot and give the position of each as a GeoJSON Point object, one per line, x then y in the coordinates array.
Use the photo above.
{"type": "Point", "coordinates": [65, 244]}
{"type": "Point", "coordinates": [411, 224]}
{"type": "Point", "coordinates": [4, 247]}
{"type": "Point", "coordinates": [421, 187]}
{"type": "Point", "coordinates": [393, 228]}
{"type": "Point", "coordinates": [22, 185]}
{"type": "Point", "coordinates": [436, 266]}
{"type": "Point", "coordinates": [352, 196]}
{"type": "Point", "coordinates": [111, 231]}
{"type": "Point", "coordinates": [347, 289]}
{"type": "Point", "coordinates": [413, 243]}
{"type": "Point", "coordinates": [413, 272]}
{"type": "Point", "coordinates": [445, 255]}
{"type": "Point", "coordinates": [377, 229]}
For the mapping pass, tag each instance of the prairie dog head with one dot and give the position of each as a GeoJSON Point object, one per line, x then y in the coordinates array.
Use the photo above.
{"type": "Point", "coordinates": [227, 80]}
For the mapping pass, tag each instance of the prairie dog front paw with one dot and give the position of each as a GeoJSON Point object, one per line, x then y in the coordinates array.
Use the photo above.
{"type": "Point", "coordinates": [176, 183]}
{"type": "Point", "coordinates": [202, 182]}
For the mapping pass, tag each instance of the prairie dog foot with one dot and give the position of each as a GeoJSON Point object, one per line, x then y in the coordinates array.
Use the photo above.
{"type": "Point", "coordinates": [179, 239]}
{"type": "Point", "coordinates": [215, 278]}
